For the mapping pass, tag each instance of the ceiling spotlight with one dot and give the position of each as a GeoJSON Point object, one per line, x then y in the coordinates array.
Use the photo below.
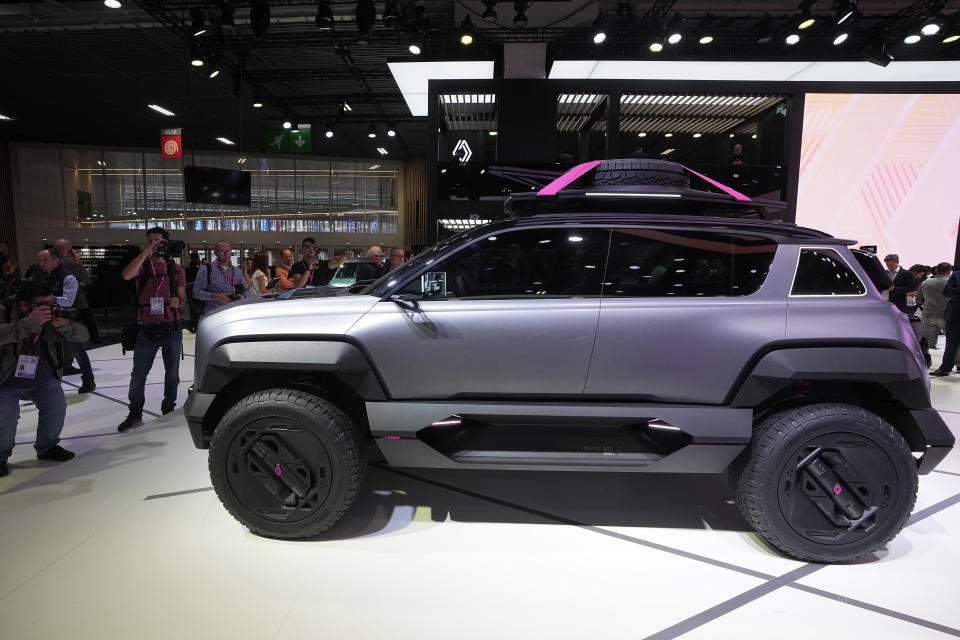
{"type": "Point", "coordinates": [160, 109]}
{"type": "Point", "coordinates": [674, 34]}
{"type": "Point", "coordinates": [196, 55]}
{"type": "Point", "coordinates": [257, 102]}
{"type": "Point", "coordinates": [792, 39]}
{"type": "Point", "coordinates": [466, 31]}
{"type": "Point", "coordinates": [951, 32]}
{"type": "Point", "coordinates": [932, 25]}
{"type": "Point", "coordinates": [260, 17]}
{"type": "Point", "coordinates": [324, 19]}
{"type": "Point", "coordinates": [668, 135]}
{"type": "Point", "coordinates": [226, 14]}
{"type": "Point", "coordinates": [3, 117]}
{"type": "Point", "coordinates": [840, 37]}
{"type": "Point", "coordinates": [198, 27]}
{"type": "Point", "coordinates": [878, 54]}
{"type": "Point", "coordinates": [599, 28]}
{"type": "Point", "coordinates": [113, 4]}
{"type": "Point", "coordinates": [372, 131]}
{"type": "Point", "coordinates": [489, 15]}
{"type": "Point", "coordinates": [806, 19]}
{"type": "Point", "coordinates": [912, 38]}
{"type": "Point", "coordinates": [705, 29]}
{"type": "Point", "coordinates": [344, 107]}
{"type": "Point", "coordinates": [287, 124]}
{"type": "Point", "coordinates": [656, 46]}
{"type": "Point", "coordinates": [342, 51]}
{"type": "Point", "coordinates": [520, 20]}
{"type": "Point", "coordinates": [845, 10]}
{"type": "Point", "coordinates": [366, 15]}
{"type": "Point", "coordinates": [391, 130]}
{"type": "Point", "coordinates": [765, 30]}
{"type": "Point", "coordinates": [225, 140]}
{"type": "Point", "coordinates": [416, 47]}
{"type": "Point", "coordinates": [382, 151]}
{"type": "Point", "coordinates": [492, 133]}
{"type": "Point", "coordinates": [327, 131]}
{"type": "Point", "coordinates": [642, 134]}
{"type": "Point", "coordinates": [391, 14]}
{"type": "Point", "coordinates": [697, 135]}
{"type": "Point", "coordinates": [215, 69]}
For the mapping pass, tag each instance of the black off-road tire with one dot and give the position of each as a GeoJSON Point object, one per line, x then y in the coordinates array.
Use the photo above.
{"type": "Point", "coordinates": [787, 506]}
{"type": "Point", "coordinates": [286, 463]}
{"type": "Point", "coordinates": [638, 171]}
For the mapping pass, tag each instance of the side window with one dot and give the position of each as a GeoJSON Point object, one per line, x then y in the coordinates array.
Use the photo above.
{"type": "Point", "coordinates": [653, 263]}
{"type": "Point", "coordinates": [822, 272]}
{"type": "Point", "coordinates": [520, 264]}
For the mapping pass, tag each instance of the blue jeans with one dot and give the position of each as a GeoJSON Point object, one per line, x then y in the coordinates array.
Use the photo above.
{"type": "Point", "coordinates": [144, 352]}
{"type": "Point", "coordinates": [83, 361]}
{"type": "Point", "coordinates": [49, 400]}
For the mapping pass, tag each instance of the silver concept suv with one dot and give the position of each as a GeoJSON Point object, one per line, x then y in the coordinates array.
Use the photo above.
{"type": "Point", "coordinates": [617, 320]}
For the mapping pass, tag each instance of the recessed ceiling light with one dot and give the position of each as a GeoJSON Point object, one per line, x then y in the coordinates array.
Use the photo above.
{"type": "Point", "coordinates": [668, 135]}
{"type": "Point", "coordinates": [160, 109]}
{"type": "Point", "coordinates": [642, 134]}
{"type": "Point", "coordinates": [706, 39]}
{"type": "Point", "coordinates": [493, 133]}
{"type": "Point", "coordinates": [113, 4]}
{"type": "Point", "coordinates": [792, 39]}
{"type": "Point", "coordinates": [287, 124]}
{"type": "Point", "coordinates": [225, 140]}
{"type": "Point", "coordinates": [913, 38]}
{"type": "Point", "coordinates": [697, 135]}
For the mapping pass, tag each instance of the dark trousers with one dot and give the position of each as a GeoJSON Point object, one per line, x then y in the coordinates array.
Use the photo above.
{"type": "Point", "coordinates": [83, 361]}
{"type": "Point", "coordinates": [950, 350]}
{"type": "Point", "coordinates": [143, 355]}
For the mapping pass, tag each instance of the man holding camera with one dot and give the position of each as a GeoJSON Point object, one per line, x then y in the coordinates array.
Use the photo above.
{"type": "Point", "coordinates": [220, 283]}
{"type": "Point", "coordinates": [66, 289]}
{"type": "Point", "coordinates": [161, 288]}
{"type": "Point", "coordinates": [31, 359]}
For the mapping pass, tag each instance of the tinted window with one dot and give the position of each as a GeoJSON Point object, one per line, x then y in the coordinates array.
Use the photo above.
{"type": "Point", "coordinates": [648, 262]}
{"type": "Point", "coordinates": [525, 263]}
{"type": "Point", "coordinates": [875, 270]}
{"type": "Point", "coordinates": [822, 272]}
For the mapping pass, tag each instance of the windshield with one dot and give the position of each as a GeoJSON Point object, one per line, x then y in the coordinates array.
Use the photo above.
{"type": "Point", "coordinates": [395, 277]}
{"type": "Point", "coordinates": [345, 275]}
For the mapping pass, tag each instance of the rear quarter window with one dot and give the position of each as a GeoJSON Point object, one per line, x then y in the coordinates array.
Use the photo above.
{"type": "Point", "coordinates": [823, 272]}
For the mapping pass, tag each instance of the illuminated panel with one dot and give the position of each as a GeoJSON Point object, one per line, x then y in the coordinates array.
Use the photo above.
{"type": "Point", "coordinates": [882, 169]}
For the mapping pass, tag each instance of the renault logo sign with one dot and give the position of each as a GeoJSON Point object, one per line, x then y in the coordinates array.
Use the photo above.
{"type": "Point", "coordinates": [465, 148]}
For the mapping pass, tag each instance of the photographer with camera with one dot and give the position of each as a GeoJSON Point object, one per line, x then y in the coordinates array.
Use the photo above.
{"type": "Point", "coordinates": [66, 289]}
{"type": "Point", "coordinates": [158, 321]}
{"type": "Point", "coordinates": [31, 357]}
{"type": "Point", "coordinates": [221, 283]}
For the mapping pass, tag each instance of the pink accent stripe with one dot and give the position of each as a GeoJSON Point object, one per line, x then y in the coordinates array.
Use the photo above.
{"type": "Point", "coordinates": [733, 192]}
{"type": "Point", "coordinates": [571, 175]}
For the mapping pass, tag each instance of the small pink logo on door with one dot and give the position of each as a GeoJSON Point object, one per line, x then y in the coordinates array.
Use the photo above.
{"type": "Point", "coordinates": [836, 487]}
{"type": "Point", "coordinates": [277, 470]}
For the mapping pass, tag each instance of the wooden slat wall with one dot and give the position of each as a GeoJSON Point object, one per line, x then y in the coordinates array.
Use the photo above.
{"type": "Point", "coordinates": [415, 202]}
{"type": "Point", "coordinates": [8, 229]}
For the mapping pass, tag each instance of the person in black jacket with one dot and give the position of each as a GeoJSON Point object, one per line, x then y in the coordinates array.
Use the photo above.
{"type": "Point", "coordinates": [951, 319]}
{"type": "Point", "coordinates": [901, 282]}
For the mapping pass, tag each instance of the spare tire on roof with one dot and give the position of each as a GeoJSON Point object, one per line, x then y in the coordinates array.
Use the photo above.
{"type": "Point", "coordinates": [640, 171]}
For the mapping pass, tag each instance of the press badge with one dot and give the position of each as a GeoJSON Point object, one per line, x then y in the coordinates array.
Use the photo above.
{"type": "Point", "coordinates": [27, 366]}
{"type": "Point", "coordinates": [156, 306]}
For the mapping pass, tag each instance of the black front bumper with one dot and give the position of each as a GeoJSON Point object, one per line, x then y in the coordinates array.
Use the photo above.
{"type": "Point", "coordinates": [194, 409]}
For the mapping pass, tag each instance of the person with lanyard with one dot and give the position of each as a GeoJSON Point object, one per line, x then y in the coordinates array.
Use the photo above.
{"type": "Point", "coordinates": [68, 294]}
{"type": "Point", "coordinates": [31, 359]}
{"type": "Point", "coordinates": [310, 272]}
{"type": "Point", "coordinates": [220, 283]}
{"type": "Point", "coordinates": [161, 288]}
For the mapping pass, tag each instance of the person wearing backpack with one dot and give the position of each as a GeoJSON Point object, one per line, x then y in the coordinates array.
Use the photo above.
{"type": "Point", "coordinates": [161, 290]}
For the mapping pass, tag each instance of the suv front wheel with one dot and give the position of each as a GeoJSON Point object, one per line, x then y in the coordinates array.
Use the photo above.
{"type": "Point", "coordinates": [286, 463]}
{"type": "Point", "coordinates": [826, 482]}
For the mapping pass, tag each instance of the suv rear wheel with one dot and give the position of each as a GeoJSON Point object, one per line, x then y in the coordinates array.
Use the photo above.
{"type": "Point", "coordinates": [286, 463]}
{"type": "Point", "coordinates": [826, 482]}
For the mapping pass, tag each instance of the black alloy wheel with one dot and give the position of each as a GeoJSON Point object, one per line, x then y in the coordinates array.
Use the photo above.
{"type": "Point", "coordinates": [286, 463]}
{"type": "Point", "coordinates": [826, 482]}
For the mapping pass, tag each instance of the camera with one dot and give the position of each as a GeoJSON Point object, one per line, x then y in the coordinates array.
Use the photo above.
{"type": "Point", "coordinates": [237, 293]}
{"type": "Point", "coordinates": [56, 311]}
{"type": "Point", "coordinates": [171, 248]}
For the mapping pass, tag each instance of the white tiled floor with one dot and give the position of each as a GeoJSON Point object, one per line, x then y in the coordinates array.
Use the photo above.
{"type": "Point", "coordinates": [429, 554]}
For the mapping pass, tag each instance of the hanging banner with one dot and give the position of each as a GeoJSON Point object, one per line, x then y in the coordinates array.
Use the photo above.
{"type": "Point", "coordinates": [171, 145]}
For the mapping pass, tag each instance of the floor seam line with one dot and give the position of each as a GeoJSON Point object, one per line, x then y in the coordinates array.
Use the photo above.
{"type": "Point", "coordinates": [50, 564]}
{"type": "Point", "coordinates": [594, 528]}
{"type": "Point", "coordinates": [862, 604]}
{"type": "Point", "coordinates": [112, 399]}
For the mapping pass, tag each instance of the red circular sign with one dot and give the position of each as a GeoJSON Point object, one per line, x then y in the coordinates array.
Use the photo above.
{"type": "Point", "coordinates": [171, 147]}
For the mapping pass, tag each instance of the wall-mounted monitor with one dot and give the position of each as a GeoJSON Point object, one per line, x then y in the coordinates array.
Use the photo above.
{"type": "Point", "coordinates": [216, 186]}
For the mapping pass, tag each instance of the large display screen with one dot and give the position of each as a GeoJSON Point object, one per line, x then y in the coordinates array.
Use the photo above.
{"type": "Point", "coordinates": [216, 186]}
{"type": "Point", "coordinates": [883, 170]}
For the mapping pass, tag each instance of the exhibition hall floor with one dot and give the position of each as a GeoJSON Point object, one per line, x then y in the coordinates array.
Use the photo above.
{"type": "Point", "coordinates": [128, 540]}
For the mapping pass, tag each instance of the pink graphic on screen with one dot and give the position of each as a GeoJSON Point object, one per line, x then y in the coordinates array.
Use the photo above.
{"type": "Point", "coordinates": [882, 169]}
